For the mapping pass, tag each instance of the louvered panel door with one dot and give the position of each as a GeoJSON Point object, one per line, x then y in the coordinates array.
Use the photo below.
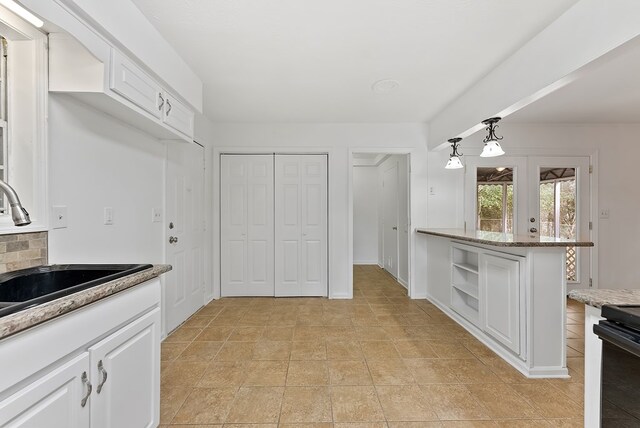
{"type": "Point", "coordinates": [247, 225]}
{"type": "Point", "coordinates": [301, 225]}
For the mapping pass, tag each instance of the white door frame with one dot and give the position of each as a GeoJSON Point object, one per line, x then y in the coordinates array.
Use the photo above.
{"type": "Point", "coordinates": [412, 154]}
{"type": "Point", "coordinates": [253, 150]}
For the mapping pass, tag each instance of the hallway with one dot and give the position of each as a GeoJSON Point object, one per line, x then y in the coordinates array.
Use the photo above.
{"type": "Point", "coordinates": [379, 360]}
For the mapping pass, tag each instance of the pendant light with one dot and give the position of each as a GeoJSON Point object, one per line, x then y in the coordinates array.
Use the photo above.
{"type": "Point", "coordinates": [491, 146]}
{"type": "Point", "coordinates": [454, 157]}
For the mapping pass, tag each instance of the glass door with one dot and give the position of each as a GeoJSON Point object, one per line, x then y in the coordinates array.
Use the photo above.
{"type": "Point", "coordinates": [496, 191]}
{"type": "Point", "coordinates": [560, 207]}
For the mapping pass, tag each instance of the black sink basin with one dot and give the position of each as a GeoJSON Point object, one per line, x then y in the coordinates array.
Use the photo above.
{"type": "Point", "coordinates": [29, 287]}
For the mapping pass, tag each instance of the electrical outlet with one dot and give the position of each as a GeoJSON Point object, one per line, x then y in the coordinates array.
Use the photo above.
{"type": "Point", "coordinates": [59, 216]}
{"type": "Point", "coordinates": [156, 215]}
{"type": "Point", "coordinates": [108, 216]}
{"type": "Point", "coordinates": [432, 191]}
{"type": "Point", "coordinates": [604, 213]}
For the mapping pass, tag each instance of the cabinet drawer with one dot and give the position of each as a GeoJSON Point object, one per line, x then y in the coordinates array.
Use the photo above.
{"type": "Point", "coordinates": [178, 116]}
{"type": "Point", "coordinates": [128, 80]}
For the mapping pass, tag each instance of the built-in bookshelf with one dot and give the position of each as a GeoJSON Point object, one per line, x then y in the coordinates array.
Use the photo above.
{"type": "Point", "coordinates": [464, 282]}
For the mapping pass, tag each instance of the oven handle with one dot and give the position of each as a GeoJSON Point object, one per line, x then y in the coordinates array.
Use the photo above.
{"type": "Point", "coordinates": [618, 336]}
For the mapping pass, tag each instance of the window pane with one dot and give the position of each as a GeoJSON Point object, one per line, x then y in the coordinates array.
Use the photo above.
{"type": "Point", "coordinates": [490, 207]}
{"type": "Point", "coordinates": [547, 209]}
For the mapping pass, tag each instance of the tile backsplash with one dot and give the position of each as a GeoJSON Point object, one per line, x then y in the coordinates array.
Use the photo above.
{"type": "Point", "coordinates": [22, 250]}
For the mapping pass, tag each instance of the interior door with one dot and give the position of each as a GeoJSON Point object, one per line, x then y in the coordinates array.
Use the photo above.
{"type": "Point", "coordinates": [184, 284]}
{"type": "Point", "coordinates": [390, 220]}
{"type": "Point", "coordinates": [246, 225]}
{"type": "Point", "coordinates": [560, 201]}
{"type": "Point", "coordinates": [301, 225]}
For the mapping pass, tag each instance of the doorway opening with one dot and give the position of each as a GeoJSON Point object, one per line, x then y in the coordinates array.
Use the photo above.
{"type": "Point", "coordinates": [381, 214]}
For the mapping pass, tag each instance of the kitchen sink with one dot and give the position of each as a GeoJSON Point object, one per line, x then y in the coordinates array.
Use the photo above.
{"type": "Point", "coordinates": [29, 287]}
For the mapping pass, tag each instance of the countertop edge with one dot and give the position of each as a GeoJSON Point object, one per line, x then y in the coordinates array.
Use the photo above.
{"type": "Point", "coordinates": [15, 323]}
{"type": "Point", "coordinates": [520, 244]}
{"type": "Point", "coordinates": [599, 298]}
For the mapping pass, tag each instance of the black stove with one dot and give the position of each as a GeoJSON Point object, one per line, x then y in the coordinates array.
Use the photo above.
{"type": "Point", "coordinates": [620, 375]}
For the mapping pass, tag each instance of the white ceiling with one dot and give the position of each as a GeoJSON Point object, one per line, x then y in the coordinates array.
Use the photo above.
{"type": "Point", "coordinates": [315, 60]}
{"type": "Point", "coordinates": [608, 93]}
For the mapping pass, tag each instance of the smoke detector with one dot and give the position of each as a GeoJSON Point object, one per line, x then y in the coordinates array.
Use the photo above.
{"type": "Point", "coordinates": [385, 86]}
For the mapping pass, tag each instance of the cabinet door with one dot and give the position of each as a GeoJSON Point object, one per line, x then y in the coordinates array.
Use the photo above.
{"type": "Point", "coordinates": [500, 299]}
{"type": "Point", "coordinates": [54, 400]}
{"type": "Point", "coordinates": [128, 80]}
{"type": "Point", "coordinates": [178, 116]}
{"type": "Point", "coordinates": [125, 369]}
{"type": "Point", "coordinates": [301, 225]}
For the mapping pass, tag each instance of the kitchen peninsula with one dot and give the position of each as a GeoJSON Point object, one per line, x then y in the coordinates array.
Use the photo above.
{"type": "Point", "coordinates": [507, 290]}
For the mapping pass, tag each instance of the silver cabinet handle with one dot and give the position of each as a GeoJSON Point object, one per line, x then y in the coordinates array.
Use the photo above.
{"type": "Point", "coordinates": [85, 381]}
{"type": "Point", "coordinates": [103, 374]}
{"type": "Point", "coordinates": [173, 239]}
{"type": "Point", "coordinates": [161, 98]}
{"type": "Point", "coordinates": [168, 107]}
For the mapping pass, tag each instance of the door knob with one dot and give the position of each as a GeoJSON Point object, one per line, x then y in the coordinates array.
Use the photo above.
{"type": "Point", "coordinates": [533, 230]}
{"type": "Point", "coordinates": [173, 239]}
{"type": "Point", "coordinates": [532, 220]}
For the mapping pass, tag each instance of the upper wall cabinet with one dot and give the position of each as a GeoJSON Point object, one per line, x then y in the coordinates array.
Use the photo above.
{"type": "Point", "coordinates": [128, 80]}
{"type": "Point", "coordinates": [112, 82]}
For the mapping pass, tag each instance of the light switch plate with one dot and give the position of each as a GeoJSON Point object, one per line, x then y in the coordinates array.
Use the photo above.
{"type": "Point", "coordinates": [59, 216]}
{"type": "Point", "coordinates": [108, 216]}
{"type": "Point", "coordinates": [604, 213]}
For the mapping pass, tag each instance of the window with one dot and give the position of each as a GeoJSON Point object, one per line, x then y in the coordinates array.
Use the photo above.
{"type": "Point", "coordinates": [495, 199]}
{"type": "Point", "coordinates": [558, 210]}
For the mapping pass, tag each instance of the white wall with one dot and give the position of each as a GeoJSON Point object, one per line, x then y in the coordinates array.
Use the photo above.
{"type": "Point", "coordinates": [339, 140]}
{"type": "Point", "coordinates": [617, 150]}
{"type": "Point", "coordinates": [95, 162]}
{"type": "Point", "coordinates": [365, 215]}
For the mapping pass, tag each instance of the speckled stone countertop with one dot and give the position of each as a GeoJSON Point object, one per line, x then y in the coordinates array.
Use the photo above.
{"type": "Point", "coordinates": [503, 239]}
{"type": "Point", "coordinates": [30, 317]}
{"type": "Point", "coordinates": [597, 298]}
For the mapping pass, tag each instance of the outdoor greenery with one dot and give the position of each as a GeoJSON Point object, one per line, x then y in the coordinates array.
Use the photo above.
{"type": "Point", "coordinates": [491, 210]}
{"type": "Point", "coordinates": [567, 189]}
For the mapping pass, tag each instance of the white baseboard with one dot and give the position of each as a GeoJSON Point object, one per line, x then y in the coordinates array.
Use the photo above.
{"type": "Point", "coordinates": [403, 283]}
{"type": "Point", "coordinates": [365, 262]}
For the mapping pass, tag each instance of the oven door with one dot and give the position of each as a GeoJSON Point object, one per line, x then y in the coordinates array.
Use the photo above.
{"type": "Point", "coordinates": [620, 405]}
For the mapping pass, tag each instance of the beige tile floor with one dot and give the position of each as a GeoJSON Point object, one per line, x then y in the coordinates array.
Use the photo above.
{"type": "Point", "coordinates": [379, 360]}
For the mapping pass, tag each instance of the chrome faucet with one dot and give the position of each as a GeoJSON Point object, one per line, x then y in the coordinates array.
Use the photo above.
{"type": "Point", "coordinates": [19, 215]}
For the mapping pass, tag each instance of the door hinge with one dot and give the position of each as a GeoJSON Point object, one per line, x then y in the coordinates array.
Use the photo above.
{"type": "Point", "coordinates": [590, 169]}
{"type": "Point", "coordinates": [590, 282]}
{"type": "Point", "coordinates": [590, 225]}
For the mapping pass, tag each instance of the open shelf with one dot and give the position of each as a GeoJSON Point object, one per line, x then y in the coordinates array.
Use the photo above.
{"type": "Point", "coordinates": [466, 266]}
{"type": "Point", "coordinates": [464, 282]}
{"type": "Point", "coordinates": [467, 288]}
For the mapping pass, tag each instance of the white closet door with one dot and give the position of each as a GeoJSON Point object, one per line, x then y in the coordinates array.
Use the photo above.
{"type": "Point", "coordinates": [301, 225]}
{"type": "Point", "coordinates": [247, 225]}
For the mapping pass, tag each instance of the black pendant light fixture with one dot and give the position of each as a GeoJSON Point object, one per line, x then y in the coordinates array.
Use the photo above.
{"type": "Point", "coordinates": [454, 157]}
{"type": "Point", "coordinates": [491, 146]}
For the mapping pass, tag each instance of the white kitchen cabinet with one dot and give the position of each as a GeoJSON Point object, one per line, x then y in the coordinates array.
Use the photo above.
{"type": "Point", "coordinates": [500, 288]}
{"type": "Point", "coordinates": [128, 80]}
{"type": "Point", "coordinates": [107, 352]}
{"type": "Point", "coordinates": [177, 115]}
{"type": "Point", "coordinates": [56, 399]}
{"type": "Point", "coordinates": [125, 370]}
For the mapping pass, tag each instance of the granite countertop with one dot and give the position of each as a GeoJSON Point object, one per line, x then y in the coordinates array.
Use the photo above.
{"type": "Point", "coordinates": [504, 239]}
{"type": "Point", "coordinates": [598, 298]}
{"type": "Point", "coordinates": [30, 317]}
